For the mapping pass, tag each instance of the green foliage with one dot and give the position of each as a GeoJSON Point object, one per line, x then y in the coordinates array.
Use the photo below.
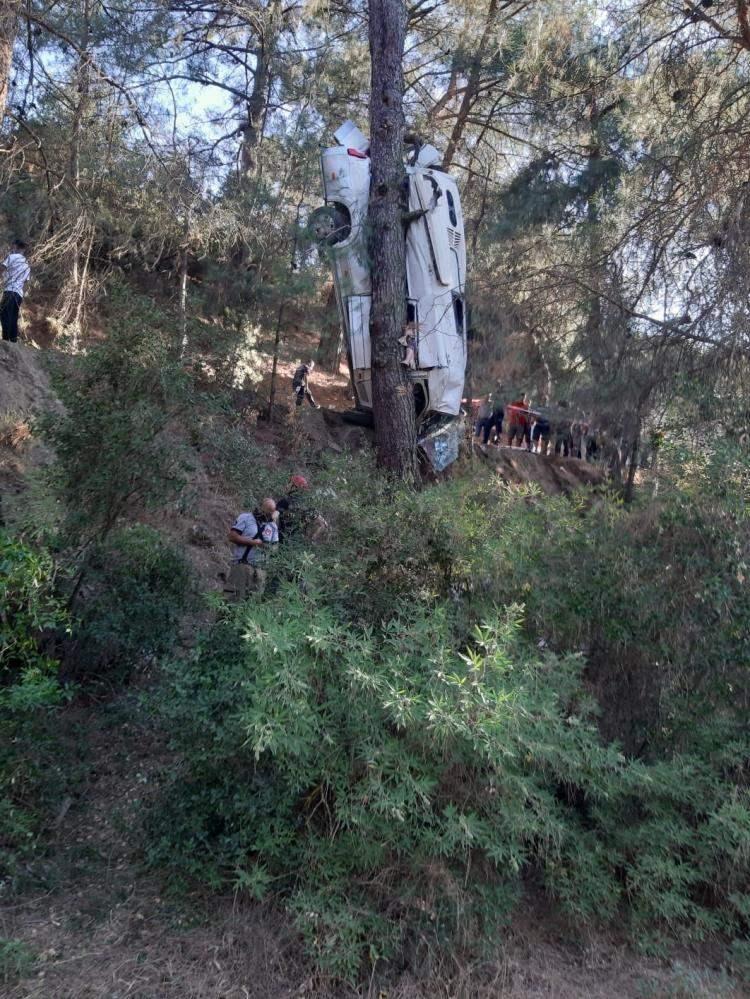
{"type": "Point", "coordinates": [28, 688]}
{"type": "Point", "coordinates": [137, 587]}
{"type": "Point", "coordinates": [27, 608]}
{"type": "Point", "coordinates": [247, 467]}
{"type": "Point", "coordinates": [114, 453]}
{"type": "Point", "coordinates": [391, 785]}
{"type": "Point", "coordinates": [389, 749]}
{"type": "Point", "coordinates": [17, 960]}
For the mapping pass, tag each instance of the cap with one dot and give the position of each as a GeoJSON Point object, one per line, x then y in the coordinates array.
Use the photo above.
{"type": "Point", "coordinates": [299, 481]}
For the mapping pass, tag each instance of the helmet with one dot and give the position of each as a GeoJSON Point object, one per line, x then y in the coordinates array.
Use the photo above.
{"type": "Point", "coordinates": [299, 481]}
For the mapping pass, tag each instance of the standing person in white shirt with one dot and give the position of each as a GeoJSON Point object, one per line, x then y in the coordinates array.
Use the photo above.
{"type": "Point", "coordinates": [16, 274]}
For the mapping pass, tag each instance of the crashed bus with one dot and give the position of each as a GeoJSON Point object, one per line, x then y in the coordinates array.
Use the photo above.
{"type": "Point", "coordinates": [434, 307]}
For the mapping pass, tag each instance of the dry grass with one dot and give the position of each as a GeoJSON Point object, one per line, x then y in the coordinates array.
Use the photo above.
{"type": "Point", "coordinates": [14, 430]}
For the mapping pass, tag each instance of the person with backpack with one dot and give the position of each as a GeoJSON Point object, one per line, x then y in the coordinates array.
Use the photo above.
{"type": "Point", "coordinates": [301, 384]}
{"type": "Point", "coordinates": [253, 537]}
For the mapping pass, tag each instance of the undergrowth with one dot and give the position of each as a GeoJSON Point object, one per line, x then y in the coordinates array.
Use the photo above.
{"type": "Point", "coordinates": [433, 720]}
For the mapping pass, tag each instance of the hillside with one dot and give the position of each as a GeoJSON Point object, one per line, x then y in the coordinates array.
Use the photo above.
{"type": "Point", "coordinates": [88, 917]}
{"type": "Point", "coordinates": [304, 691]}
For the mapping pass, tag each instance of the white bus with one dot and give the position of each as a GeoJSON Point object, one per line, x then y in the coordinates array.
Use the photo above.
{"type": "Point", "coordinates": [434, 304]}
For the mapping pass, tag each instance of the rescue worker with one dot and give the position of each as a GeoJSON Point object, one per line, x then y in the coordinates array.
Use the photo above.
{"type": "Point", "coordinates": [253, 536]}
{"type": "Point", "coordinates": [541, 432]}
{"type": "Point", "coordinates": [301, 384]}
{"type": "Point", "coordinates": [496, 424]}
{"type": "Point", "coordinates": [295, 518]}
{"type": "Point", "coordinates": [484, 419]}
{"type": "Point", "coordinates": [562, 436]}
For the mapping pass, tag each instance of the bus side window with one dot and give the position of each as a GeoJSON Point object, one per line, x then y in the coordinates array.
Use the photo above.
{"type": "Point", "coordinates": [451, 208]}
{"type": "Point", "coordinates": [458, 313]}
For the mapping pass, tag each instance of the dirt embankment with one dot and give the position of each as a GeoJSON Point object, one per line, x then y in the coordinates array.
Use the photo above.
{"type": "Point", "coordinates": [552, 474]}
{"type": "Point", "coordinates": [25, 391]}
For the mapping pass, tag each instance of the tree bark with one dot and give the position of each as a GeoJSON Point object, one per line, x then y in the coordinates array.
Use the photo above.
{"type": "Point", "coordinates": [9, 10]}
{"type": "Point", "coordinates": [252, 131]}
{"type": "Point", "coordinates": [331, 345]}
{"type": "Point", "coordinates": [257, 101]}
{"type": "Point", "coordinates": [184, 260]}
{"type": "Point", "coordinates": [393, 397]}
{"type": "Point", "coordinates": [280, 316]}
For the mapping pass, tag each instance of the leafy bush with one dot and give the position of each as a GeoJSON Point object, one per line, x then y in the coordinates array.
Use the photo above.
{"type": "Point", "coordinates": [118, 453]}
{"type": "Point", "coordinates": [138, 586]}
{"type": "Point", "coordinates": [17, 960]}
{"type": "Point", "coordinates": [394, 755]}
{"type": "Point", "coordinates": [114, 454]}
{"type": "Point", "coordinates": [28, 688]}
{"type": "Point", "coordinates": [391, 785]}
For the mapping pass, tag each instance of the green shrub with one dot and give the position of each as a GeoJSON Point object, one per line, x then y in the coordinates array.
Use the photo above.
{"type": "Point", "coordinates": [17, 960]}
{"type": "Point", "coordinates": [28, 690]}
{"type": "Point", "coordinates": [389, 784]}
{"type": "Point", "coordinates": [114, 453]}
{"type": "Point", "coordinates": [138, 586]}
{"type": "Point", "coordinates": [395, 748]}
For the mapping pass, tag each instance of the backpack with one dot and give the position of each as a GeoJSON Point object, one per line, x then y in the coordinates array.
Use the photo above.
{"type": "Point", "coordinates": [264, 531]}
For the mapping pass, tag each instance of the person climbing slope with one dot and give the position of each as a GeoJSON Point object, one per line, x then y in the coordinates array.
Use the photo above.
{"type": "Point", "coordinates": [301, 384]}
{"type": "Point", "coordinates": [253, 536]}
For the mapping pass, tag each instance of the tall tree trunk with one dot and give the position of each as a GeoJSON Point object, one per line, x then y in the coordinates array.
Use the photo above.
{"type": "Point", "coordinates": [257, 101]}
{"type": "Point", "coordinates": [331, 345]}
{"type": "Point", "coordinates": [84, 277]}
{"type": "Point", "coordinates": [280, 316]}
{"type": "Point", "coordinates": [74, 304]}
{"type": "Point", "coordinates": [9, 10]}
{"type": "Point", "coordinates": [252, 131]}
{"type": "Point", "coordinates": [393, 398]}
{"type": "Point", "coordinates": [184, 258]}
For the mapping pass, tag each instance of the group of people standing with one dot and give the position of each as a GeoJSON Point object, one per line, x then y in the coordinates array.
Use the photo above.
{"type": "Point", "coordinates": [542, 429]}
{"type": "Point", "coordinates": [256, 535]}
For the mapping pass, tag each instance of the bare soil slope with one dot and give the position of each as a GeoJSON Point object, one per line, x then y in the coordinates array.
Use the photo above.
{"type": "Point", "coordinates": [25, 391]}
{"type": "Point", "coordinates": [553, 475]}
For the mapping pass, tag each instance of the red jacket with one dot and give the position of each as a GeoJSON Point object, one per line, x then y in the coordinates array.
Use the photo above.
{"type": "Point", "coordinates": [518, 413]}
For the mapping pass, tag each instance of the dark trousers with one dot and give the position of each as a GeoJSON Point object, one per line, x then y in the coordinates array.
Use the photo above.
{"type": "Point", "coordinates": [485, 427]}
{"type": "Point", "coordinates": [9, 307]}
{"type": "Point", "coordinates": [302, 393]}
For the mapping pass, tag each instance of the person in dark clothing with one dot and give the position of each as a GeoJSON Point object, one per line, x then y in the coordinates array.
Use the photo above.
{"type": "Point", "coordinates": [490, 419]}
{"type": "Point", "coordinates": [301, 384]}
{"type": "Point", "coordinates": [563, 442]}
{"type": "Point", "coordinates": [541, 433]}
{"type": "Point", "coordinates": [295, 519]}
{"type": "Point", "coordinates": [495, 423]}
{"type": "Point", "coordinates": [16, 274]}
